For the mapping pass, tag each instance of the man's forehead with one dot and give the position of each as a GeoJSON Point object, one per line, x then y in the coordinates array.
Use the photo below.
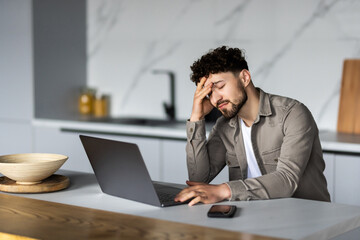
{"type": "Point", "coordinates": [213, 78]}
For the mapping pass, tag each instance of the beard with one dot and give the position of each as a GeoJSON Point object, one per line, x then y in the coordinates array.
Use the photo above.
{"type": "Point", "coordinates": [235, 106]}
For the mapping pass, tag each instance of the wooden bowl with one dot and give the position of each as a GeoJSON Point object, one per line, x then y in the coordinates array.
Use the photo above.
{"type": "Point", "coordinates": [30, 168]}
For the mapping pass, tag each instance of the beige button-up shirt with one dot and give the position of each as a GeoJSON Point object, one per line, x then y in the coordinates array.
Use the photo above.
{"type": "Point", "coordinates": [286, 145]}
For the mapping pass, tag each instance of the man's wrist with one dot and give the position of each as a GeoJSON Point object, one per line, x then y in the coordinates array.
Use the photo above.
{"type": "Point", "coordinates": [226, 192]}
{"type": "Point", "coordinates": [195, 118]}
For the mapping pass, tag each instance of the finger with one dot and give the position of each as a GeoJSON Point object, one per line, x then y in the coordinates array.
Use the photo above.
{"type": "Point", "coordinates": [204, 92]}
{"type": "Point", "coordinates": [195, 201]}
{"type": "Point", "coordinates": [201, 83]}
{"type": "Point", "coordinates": [206, 89]}
{"type": "Point", "coordinates": [185, 195]}
{"type": "Point", "coordinates": [180, 194]}
{"type": "Point", "coordinates": [188, 189]}
{"type": "Point", "coordinates": [191, 183]}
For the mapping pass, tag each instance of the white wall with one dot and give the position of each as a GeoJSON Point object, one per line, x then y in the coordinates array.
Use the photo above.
{"type": "Point", "coordinates": [294, 48]}
{"type": "Point", "coordinates": [16, 63]}
{"type": "Point", "coordinates": [16, 77]}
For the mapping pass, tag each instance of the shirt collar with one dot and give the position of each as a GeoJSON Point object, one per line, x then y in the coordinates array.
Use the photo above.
{"type": "Point", "coordinates": [264, 108]}
{"type": "Point", "coordinates": [264, 104]}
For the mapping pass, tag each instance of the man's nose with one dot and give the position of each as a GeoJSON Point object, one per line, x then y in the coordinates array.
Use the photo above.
{"type": "Point", "coordinates": [215, 97]}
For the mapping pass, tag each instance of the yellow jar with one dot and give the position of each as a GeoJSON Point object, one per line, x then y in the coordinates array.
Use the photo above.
{"type": "Point", "coordinates": [86, 101]}
{"type": "Point", "coordinates": [101, 106]}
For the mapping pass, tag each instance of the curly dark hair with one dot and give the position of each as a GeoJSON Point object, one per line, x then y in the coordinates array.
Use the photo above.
{"type": "Point", "coordinates": [221, 59]}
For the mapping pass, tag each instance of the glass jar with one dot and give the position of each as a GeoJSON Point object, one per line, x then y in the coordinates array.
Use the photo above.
{"type": "Point", "coordinates": [86, 101]}
{"type": "Point", "coordinates": [101, 106]}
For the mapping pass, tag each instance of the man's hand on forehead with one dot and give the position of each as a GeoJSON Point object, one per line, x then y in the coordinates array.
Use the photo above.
{"type": "Point", "coordinates": [201, 104]}
{"type": "Point", "coordinates": [215, 81]}
{"type": "Point", "coordinates": [207, 82]}
{"type": "Point", "coordinates": [213, 84]}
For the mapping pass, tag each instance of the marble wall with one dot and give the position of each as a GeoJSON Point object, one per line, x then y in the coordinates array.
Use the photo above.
{"type": "Point", "coordinates": [293, 48]}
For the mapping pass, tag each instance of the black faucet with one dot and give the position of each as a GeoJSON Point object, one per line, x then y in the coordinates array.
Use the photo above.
{"type": "Point", "coordinates": [169, 108]}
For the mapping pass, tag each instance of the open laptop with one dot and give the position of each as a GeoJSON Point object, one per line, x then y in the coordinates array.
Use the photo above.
{"type": "Point", "coordinates": [121, 171]}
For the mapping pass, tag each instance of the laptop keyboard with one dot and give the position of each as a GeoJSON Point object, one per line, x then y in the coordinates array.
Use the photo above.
{"type": "Point", "coordinates": [166, 197]}
{"type": "Point", "coordinates": [166, 193]}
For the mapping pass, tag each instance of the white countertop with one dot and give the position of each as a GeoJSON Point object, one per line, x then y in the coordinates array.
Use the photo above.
{"type": "Point", "coordinates": [340, 142]}
{"type": "Point", "coordinates": [175, 131]}
{"type": "Point", "coordinates": [330, 141]}
{"type": "Point", "coordinates": [285, 218]}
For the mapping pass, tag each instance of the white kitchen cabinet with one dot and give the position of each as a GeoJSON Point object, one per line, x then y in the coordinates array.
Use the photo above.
{"type": "Point", "coordinates": [174, 163]}
{"type": "Point", "coordinates": [329, 171]}
{"type": "Point", "coordinates": [53, 140]}
{"type": "Point", "coordinates": [347, 179]}
{"type": "Point", "coordinates": [15, 138]}
{"type": "Point", "coordinates": [342, 173]}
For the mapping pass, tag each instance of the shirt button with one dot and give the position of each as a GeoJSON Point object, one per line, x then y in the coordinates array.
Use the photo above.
{"type": "Point", "coordinates": [191, 130]}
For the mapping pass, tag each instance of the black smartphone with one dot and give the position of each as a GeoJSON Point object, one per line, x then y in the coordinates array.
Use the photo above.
{"type": "Point", "coordinates": [222, 211]}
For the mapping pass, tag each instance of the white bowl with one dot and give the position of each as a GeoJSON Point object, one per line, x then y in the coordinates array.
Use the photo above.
{"type": "Point", "coordinates": [30, 168]}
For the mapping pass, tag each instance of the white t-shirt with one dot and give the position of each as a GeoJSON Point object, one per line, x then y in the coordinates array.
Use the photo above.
{"type": "Point", "coordinates": [253, 170]}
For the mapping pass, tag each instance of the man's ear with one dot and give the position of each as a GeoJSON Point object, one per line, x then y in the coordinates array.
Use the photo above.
{"type": "Point", "coordinates": [245, 77]}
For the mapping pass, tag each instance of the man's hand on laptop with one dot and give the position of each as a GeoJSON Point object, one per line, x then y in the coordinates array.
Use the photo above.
{"type": "Point", "coordinates": [202, 192]}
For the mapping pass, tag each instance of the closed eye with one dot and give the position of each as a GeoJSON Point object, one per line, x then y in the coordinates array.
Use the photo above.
{"type": "Point", "coordinates": [219, 85]}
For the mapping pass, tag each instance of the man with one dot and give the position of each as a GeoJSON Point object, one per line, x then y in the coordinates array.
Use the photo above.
{"type": "Point", "coordinates": [269, 143]}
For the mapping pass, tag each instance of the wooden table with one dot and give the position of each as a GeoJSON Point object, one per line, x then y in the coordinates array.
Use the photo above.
{"type": "Point", "coordinates": [83, 212]}
{"type": "Point", "coordinates": [39, 219]}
